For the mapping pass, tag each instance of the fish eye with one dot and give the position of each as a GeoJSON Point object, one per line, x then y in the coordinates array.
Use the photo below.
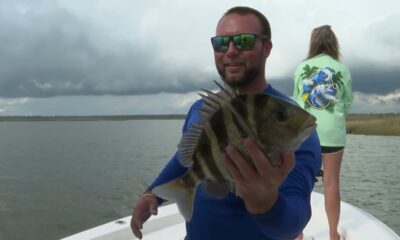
{"type": "Point", "coordinates": [281, 116]}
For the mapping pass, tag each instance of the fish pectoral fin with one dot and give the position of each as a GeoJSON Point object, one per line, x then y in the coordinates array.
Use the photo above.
{"type": "Point", "coordinates": [217, 189]}
{"type": "Point", "coordinates": [175, 190]}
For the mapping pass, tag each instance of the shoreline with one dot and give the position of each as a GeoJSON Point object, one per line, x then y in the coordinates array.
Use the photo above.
{"type": "Point", "coordinates": [373, 124]}
{"type": "Point", "coordinates": [91, 118]}
{"type": "Point", "coordinates": [361, 124]}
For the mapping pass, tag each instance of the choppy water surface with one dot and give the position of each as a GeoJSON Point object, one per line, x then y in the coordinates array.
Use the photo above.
{"type": "Point", "coordinates": [59, 178]}
{"type": "Point", "coordinates": [370, 176]}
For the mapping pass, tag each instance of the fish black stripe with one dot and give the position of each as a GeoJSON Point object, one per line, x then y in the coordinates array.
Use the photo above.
{"type": "Point", "coordinates": [239, 104]}
{"type": "Point", "coordinates": [197, 170]}
{"type": "Point", "coordinates": [260, 100]}
{"type": "Point", "coordinates": [254, 112]}
{"type": "Point", "coordinates": [209, 158]}
{"type": "Point", "coordinates": [219, 129]}
{"type": "Point", "coordinates": [189, 180]}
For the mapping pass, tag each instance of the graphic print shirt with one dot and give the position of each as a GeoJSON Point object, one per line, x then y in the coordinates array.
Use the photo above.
{"type": "Point", "coordinates": [322, 86]}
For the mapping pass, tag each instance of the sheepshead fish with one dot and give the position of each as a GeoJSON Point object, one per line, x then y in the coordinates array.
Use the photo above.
{"type": "Point", "coordinates": [229, 118]}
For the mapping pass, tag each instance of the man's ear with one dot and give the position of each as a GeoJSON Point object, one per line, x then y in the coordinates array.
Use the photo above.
{"type": "Point", "coordinates": [267, 48]}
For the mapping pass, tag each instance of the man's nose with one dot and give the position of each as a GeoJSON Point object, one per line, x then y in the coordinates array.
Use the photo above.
{"type": "Point", "coordinates": [232, 49]}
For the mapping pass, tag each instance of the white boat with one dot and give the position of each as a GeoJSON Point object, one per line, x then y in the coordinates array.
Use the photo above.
{"type": "Point", "coordinates": [169, 224]}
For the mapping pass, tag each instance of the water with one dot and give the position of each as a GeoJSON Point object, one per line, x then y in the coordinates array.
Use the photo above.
{"type": "Point", "coordinates": [59, 178]}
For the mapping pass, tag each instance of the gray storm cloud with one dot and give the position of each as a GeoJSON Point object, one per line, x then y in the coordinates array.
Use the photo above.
{"type": "Point", "coordinates": [52, 50]}
{"type": "Point", "coordinates": [56, 53]}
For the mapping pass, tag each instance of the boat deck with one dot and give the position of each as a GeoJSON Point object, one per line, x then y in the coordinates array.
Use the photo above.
{"type": "Point", "coordinates": [169, 224]}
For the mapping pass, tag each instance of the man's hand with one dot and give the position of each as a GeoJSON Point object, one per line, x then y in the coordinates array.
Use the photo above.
{"type": "Point", "coordinates": [257, 185]}
{"type": "Point", "coordinates": [146, 206]}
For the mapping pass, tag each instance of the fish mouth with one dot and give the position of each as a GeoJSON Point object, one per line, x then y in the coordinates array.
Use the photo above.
{"type": "Point", "coordinates": [312, 124]}
{"type": "Point", "coordinates": [309, 126]}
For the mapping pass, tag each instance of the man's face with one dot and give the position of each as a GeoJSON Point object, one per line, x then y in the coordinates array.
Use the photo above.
{"type": "Point", "coordinates": [240, 68]}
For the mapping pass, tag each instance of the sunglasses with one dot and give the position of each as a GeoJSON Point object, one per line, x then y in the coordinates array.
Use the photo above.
{"type": "Point", "coordinates": [242, 42]}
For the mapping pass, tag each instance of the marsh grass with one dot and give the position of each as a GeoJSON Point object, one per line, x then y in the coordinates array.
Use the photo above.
{"type": "Point", "coordinates": [374, 124]}
{"type": "Point", "coordinates": [365, 124]}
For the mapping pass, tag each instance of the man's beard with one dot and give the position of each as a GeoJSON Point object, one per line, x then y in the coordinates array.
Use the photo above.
{"type": "Point", "coordinates": [248, 77]}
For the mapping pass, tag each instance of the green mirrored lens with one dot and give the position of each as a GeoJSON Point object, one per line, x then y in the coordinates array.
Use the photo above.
{"type": "Point", "coordinates": [241, 42]}
{"type": "Point", "coordinates": [238, 42]}
{"type": "Point", "coordinates": [247, 42]}
{"type": "Point", "coordinates": [220, 43]}
{"type": "Point", "coordinates": [224, 43]}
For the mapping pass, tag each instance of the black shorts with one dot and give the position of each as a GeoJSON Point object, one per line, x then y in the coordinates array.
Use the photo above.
{"type": "Point", "coordinates": [331, 149]}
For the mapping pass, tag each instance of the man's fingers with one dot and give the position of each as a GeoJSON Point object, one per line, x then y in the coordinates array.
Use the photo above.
{"type": "Point", "coordinates": [154, 208]}
{"type": "Point", "coordinates": [146, 206]}
{"type": "Point", "coordinates": [242, 165]}
{"type": "Point", "coordinates": [288, 160]}
{"type": "Point", "coordinates": [260, 160]}
{"type": "Point", "coordinates": [232, 169]}
{"type": "Point", "coordinates": [136, 227]}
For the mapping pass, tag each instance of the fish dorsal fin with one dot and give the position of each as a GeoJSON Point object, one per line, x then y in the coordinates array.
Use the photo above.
{"type": "Point", "coordinates": [239, 117]}
{"type": "Point", "coordinates": [212, 103]}
{"type": "Point", "coordinates": [229, 93]}
{"type": "Point", "coordinates": [226, 94]}
{"type": "Point", "coordinates": [226, 90]}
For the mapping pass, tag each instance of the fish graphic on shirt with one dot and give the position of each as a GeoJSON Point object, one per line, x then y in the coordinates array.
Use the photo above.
{"type": "Point", "coordinates": [320, 87]}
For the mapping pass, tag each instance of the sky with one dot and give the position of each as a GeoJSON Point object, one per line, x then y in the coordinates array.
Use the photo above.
{"type": "Point", "coordinates": [123, 57]}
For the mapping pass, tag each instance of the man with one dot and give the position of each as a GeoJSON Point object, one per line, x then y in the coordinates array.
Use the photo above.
{"type": "Point", "coordinates": [274, 202]}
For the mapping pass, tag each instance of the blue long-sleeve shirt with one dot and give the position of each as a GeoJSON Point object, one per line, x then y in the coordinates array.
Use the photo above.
{"type": "Point", "coordinates": [227, 218]}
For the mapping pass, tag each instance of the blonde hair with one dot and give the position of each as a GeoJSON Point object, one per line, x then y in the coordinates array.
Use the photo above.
{"type": "Point", "coordinates": [323, 40]}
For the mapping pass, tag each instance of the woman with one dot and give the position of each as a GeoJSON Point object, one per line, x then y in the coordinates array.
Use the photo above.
{"type": "Point", "coordinates": [322, 86]}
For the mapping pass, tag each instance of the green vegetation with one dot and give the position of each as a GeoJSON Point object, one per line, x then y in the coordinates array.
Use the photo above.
{"type": "Point", "coordinates": [90, 118]}
{"type": "Point", "coordinates": [374, 124]}
{"type": "Point", "coordinates": [366, 124]}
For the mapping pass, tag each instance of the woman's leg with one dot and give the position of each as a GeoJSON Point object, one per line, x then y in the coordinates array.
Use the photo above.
{"type": "Point", "coordinates": [331, 163]}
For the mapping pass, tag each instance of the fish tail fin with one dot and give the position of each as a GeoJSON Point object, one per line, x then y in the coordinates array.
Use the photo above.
{"type": "Point", "coordinates": [178, 191]}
